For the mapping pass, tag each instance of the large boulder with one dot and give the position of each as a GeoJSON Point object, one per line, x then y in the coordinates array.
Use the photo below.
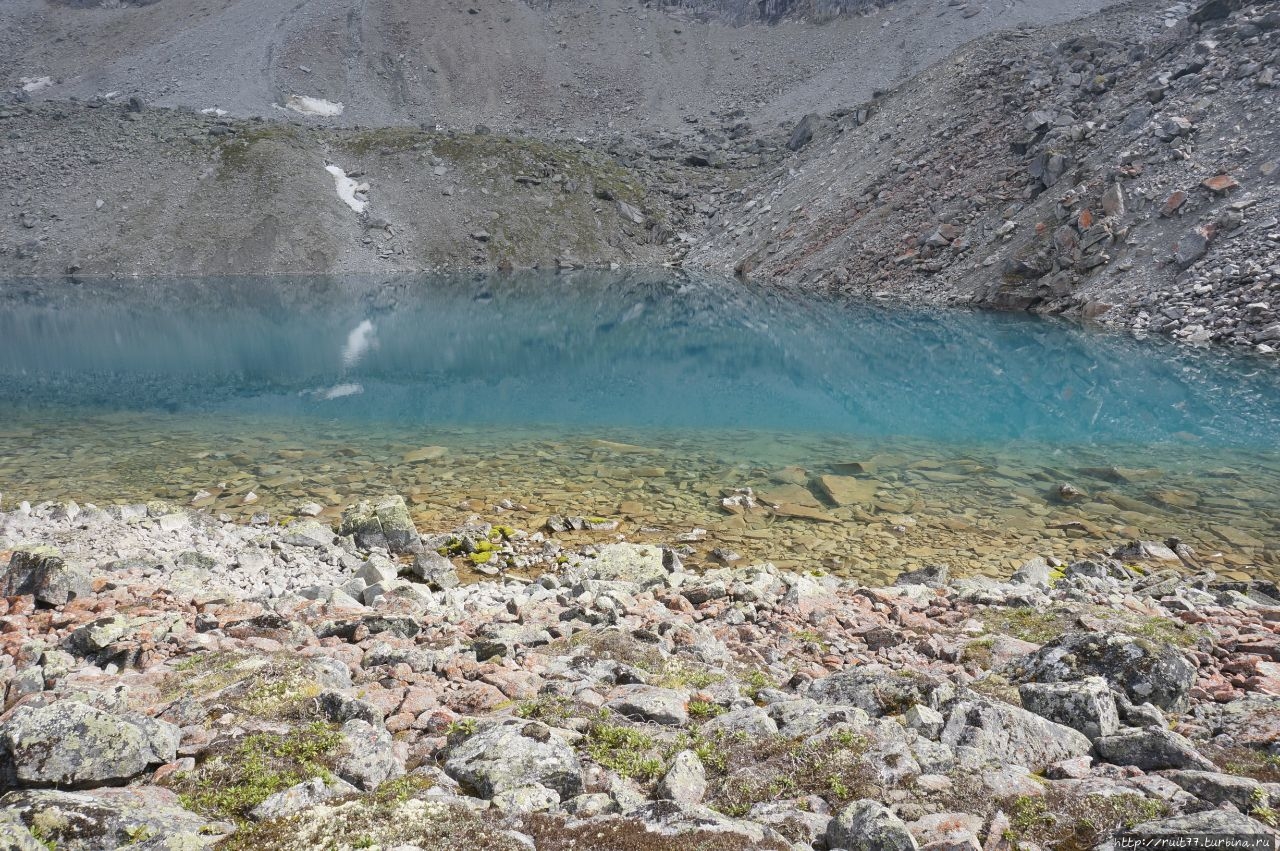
{"type": "Point", "coordinates": [671, 818]}
{"type": "Point", "coordinates": [750, 721]}
{"type": "Point", "coordinates": [1001, 734]}
{"type": "Point", "coordinates": [74, 745]}
{"type": "Point", "coordinates": [513, 756]}
{"type": "Point", "coordinates": [805, 717]}
{"type": "Point", "coordinates": [1151, 749]}
{"type": "Point", "coordinates": [686, 781]}
{"type": "Point", "coordinates": [638, 563]}
{"type": "Point", "coordinates": [1086, 705]}
{"type": "Point", "coordinates": [384, 523]}
{"type": "Point", "coordinates": [1144, 669]}
{"type": "Point", "coordinates": [879, 690]}
{"type": "Point", "coordinates": [107, 818]}
{"type": "Point", "coordinates": [1210, 822]}
{"type": "Point", "coordinates": [435, 570]}
{"type": "Point", "coordinates": [869, 826]}
{"type": "Point", "coordinates": [41, 572]}
{"type": "Point", "coordinates": [650, 703]}
{"type": "Point", "coordinates": [1244, 793]}
{"type": "Point", "coordinates": [307, 794]}
{"type": "Point", "coordinates": [368, 756]}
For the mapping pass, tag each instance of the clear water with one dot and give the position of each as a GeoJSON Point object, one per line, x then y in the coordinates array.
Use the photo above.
{"type": "Point", "coordinates": [318, 389]}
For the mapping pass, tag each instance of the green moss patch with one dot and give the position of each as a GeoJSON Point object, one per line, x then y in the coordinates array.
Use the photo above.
{"type": "Point", "coordinates": [395, 815]}
{"type": "Point", "coordinates": [1041, 626]}
{"type": "Point", "coordinates": [229, 784]}
{"type": "Point", "coordinates": [1076, 823]}
{"type": "Point", "coordinates": [744, 770]}
{"type": "Point", "coordinates": [626, 750]}
{"type": "Point", "coordinates": [275, 687]}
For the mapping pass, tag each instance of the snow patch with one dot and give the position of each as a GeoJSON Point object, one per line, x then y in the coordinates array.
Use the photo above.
{"type": "Point", "coordinates": [214, 111]}
{"type": "Point", "coordinates": [31, 85]}
{"type": "Point", "coordinates": [313, 106]}
{"type": "Point", "coordinates": [354, 194]}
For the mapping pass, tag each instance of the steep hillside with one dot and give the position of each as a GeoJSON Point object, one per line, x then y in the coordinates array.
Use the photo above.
{"type": "Point", "coordinates": [1123, 168]}
{"type": "Point", "coordinates": [615, 128]}
{"type": "Point", "coordinates": [584, 67]}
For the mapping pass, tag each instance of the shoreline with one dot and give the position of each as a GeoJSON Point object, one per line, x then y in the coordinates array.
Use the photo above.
{"type": "Point", "coordinates": [615, 692]}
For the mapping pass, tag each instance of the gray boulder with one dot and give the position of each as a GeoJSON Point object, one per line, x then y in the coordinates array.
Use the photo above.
{"type": "Point", "coordinates": [526, 799]}
{"type": "Point", "coordinates": [628, 563]}
{"type": "Point", "coordinates": [673, 818]}
{"type": "Point", "coordinates": [1034, 572]}
{"type": "Point", "coordinates": [869, 826]}
{"type": "Point", "coordinates": [802, 133]}
{"type": "Point", "coordinates": [73, 745]}
{"type": "Point", "coordinates": [1146, 670]}
{"type": "Point", "coordinates": [925, 721]}
{"type": "Point", "coordinates": [650, 703]}
{"type": "Point", "coordinates": [804, 717]}
{"type": "Point", "coordinates": [385, 523]}
{"type": "Point", "coordinates": [340, 707]}
{"type": "Point", "coordinates": [788, 818]}
{"type": "Point", "coordinates": [751, 721]}
{"type": "Point", "coordinates": [435, 570]}
{"type": "Point", "coordinates": [368, 758]}
{"type": "Point", "coordinates": [880, 691]}
{"type": "Point", "coordinates": [296, 798]}
{"type": "Point", "coordinates": [1151, 749]}
{"type": "Point", "coordinates": [1086, 705]}
{"type": "Point", "coordinates": [516, 755]}
{"type": "Point", "coordinates": [106, 818]}
{"type": "Point", "coordinates": [1244, 793]}
{"type": "Point", "coordinates": [685, 782]}
{"type": "Point", "coordinates": [930, 576]}
{"type": "Point", "coordinates": [1219, 822]}
{"type": "Point", "coordinates": [308, 533]}
{"type": "Point", "coordinates": [1004, 734]}
{"type": "Point", "coordinates": [41, 572]}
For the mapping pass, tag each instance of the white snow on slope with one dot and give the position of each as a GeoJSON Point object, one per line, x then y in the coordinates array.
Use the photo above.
{"type": "Point", "coordinates": [313, 106]}
{"type": "Point", "coordinates": [31, 85]}
{"type": "Point", "coordinates": [354, 194]}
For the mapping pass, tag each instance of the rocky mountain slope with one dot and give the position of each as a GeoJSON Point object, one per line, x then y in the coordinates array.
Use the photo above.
{"type": "Point", "coordinates": [301, 686]}
{"type": "Point", "coordinates": [1124, 168]}
{"type": "Point", "coordinates": [1121, 166]}
{"type": "Point", "coordinates": [112, 169]}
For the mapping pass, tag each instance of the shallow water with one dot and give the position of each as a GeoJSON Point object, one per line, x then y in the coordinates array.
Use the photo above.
{"type": "Point", "coordinates": [645, 399]}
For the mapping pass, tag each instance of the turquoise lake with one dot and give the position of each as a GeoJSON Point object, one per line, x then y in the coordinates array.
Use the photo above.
{"type": "Point", "coordinates": [646, 399]}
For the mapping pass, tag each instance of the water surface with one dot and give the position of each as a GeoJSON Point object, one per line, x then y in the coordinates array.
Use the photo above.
{"type": "Point", "coordinates": [646, 399]}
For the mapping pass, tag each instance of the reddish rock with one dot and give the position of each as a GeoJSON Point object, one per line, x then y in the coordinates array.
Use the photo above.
{"type": "Point", "coordinates": [475, 699]}
{"type": "Point", "coordinates": [1173, 203]}
{"type": "Point", "coordinates": [1220, 184]}
{"type": "Point", "coordinates": [516, 685]}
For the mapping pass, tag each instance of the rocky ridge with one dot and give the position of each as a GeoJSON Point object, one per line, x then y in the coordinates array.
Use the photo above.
{"type": "Point", "coordinates": [1121, 169]}
{"type": "Point", "coordinates": [300, 685]}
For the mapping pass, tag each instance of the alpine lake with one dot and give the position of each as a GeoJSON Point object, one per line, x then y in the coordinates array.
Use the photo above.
{"type": "Point", "coordinates": [856, 439]}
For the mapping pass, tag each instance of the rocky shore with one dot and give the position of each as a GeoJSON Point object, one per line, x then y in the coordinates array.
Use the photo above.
{"type": "Point", "coordinates": [177, 680]}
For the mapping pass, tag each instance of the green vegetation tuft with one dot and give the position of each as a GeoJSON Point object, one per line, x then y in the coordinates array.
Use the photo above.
{"type": "Point", "coordinates": [747, 770]}
{"type": "Point", "coordinates": [229, 785]}
{"type": "Point", "coordinates": [1041, 626]}
{"type": "Point", "coordinates": [625, 750]}
{"type": "Point", "coordinates": [701, 710]}
{"type": "Point", "coordinates": [754, 682]}
{"type": "Point", "coordinates": [551, 709]}
{"type": "Point", "coordinates": [1076, 823]}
